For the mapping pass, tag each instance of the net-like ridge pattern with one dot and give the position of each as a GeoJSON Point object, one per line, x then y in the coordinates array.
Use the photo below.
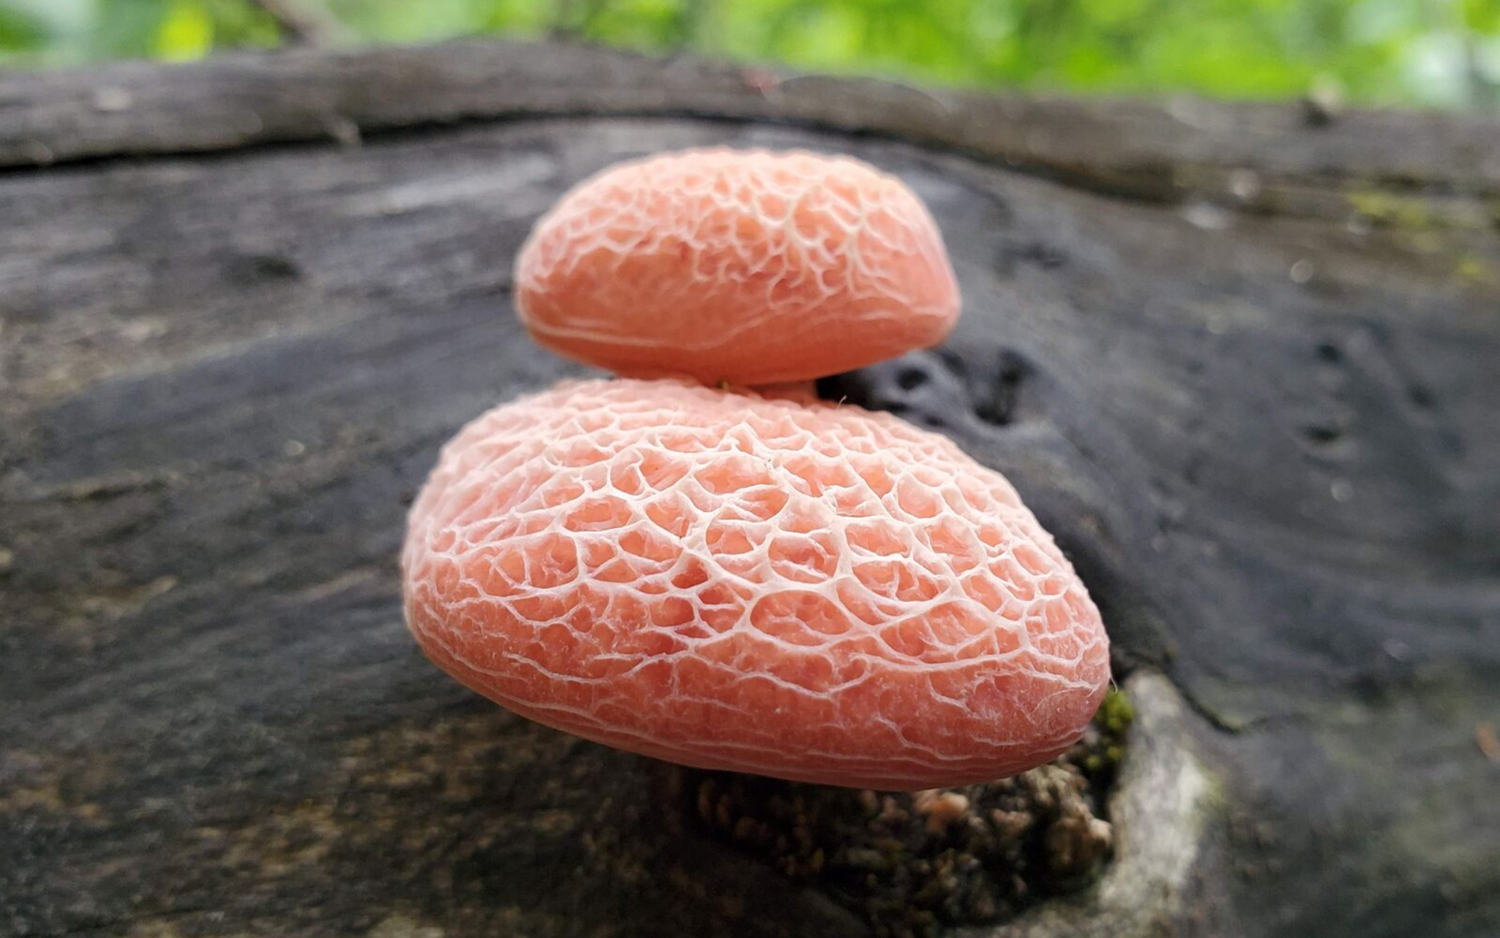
{"type": "Point", "coordinates": [731, 265]}
{"type": "Point", "coordinates": [814, 592]}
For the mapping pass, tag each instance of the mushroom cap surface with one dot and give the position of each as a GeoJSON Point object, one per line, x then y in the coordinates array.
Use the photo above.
{"type": "Point", "coordinates": [747, 266]}
{"type": "Point", "coordinates": [816, 593]}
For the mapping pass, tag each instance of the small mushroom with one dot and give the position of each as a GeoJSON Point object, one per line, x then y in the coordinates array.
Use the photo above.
{"type": "Point", "coordinates": [801, 590]}
{"type": "Point", "coordinates": [751, 267]}
{"type": "Point", "coordinates": [942, 809]}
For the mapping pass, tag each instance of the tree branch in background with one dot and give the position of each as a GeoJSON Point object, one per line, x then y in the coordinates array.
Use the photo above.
{"type": "Point", "coordinates": [299, 23]}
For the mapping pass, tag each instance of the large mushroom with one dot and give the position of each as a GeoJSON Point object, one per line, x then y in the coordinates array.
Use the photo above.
{"type": "Point", "coordinates": [813, 592]}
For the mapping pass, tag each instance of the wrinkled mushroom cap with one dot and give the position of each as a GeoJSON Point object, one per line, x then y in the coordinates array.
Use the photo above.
{"type": "Point", "coordinates": [751, 267]}
{"type": "Point", "coordinates": [812, 592]}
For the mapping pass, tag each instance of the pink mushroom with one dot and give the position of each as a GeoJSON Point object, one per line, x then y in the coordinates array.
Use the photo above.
{"type": "Point", "coordinates": [744, 266]}
{"type": "Point", "coordinates": [807, 591]}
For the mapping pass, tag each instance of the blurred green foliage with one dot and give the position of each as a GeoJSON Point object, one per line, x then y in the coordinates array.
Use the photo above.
{"type": "Point", "coordinates": [1439, 52]}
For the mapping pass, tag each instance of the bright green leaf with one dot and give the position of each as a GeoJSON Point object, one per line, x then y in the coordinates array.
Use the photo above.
{"type": "Point", "coordinates": [20, 31]}
{"type": "Point", "coordinates": [186, 33]}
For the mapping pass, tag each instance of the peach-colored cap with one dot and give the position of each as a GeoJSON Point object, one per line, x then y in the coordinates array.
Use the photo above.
{"type": "Point", "coordinates": [813, 592]}
{"type": "Point", "coordinates": [751, 267]}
